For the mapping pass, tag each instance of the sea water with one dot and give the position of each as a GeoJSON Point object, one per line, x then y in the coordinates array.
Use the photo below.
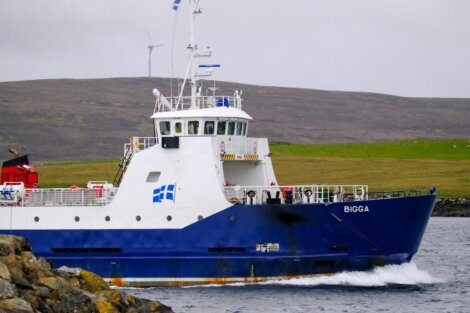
{"type": "Point", "coordinates": [438, 280]}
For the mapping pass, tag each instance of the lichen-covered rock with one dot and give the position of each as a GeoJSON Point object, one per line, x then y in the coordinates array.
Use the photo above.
{"type": "Point", "coordinates": [36, 268]}
{"type": "Point", "coordinates": [4, 272]}
{"type": "Point", "coordinates": [92, 282]}
{"type": "Point", "coordinates": [74, 281]}
{"type": "Point", "coordinates": [7, 290]}
{"type": "Point", "coordinates": [68, 271]}
{"type": "Point", "coordinates": [17, 272]}
{"type": "Point", "coordinates": [13, 244]}
{"type": "Point", "coordinates": [42, 291]}
{"type": "Point", "coordinates": [15, 305]}
{"type": "Point", "coordinates": [147, 306]}
{"type": "Point", "coordinates": [35, 300]}
{"type": "Point", "coordinates": [116, 297]}
{"type": "Point", "coordinates": [50, 282]}
{"type": "Point", "coordinates": [104, 305]}
{"type": "Point", "coordinates": [155, 306]}
{"type": "Point", "coordinates": [71, 299]}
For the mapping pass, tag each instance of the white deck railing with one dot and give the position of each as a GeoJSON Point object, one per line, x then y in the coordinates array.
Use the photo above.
{"type": "Point", "coordinates": [202, 102]}
{"type": "Point", "coordinates": [295, 194]}
{"type": "Point", "coordinates": [137, 144]}
{"type": "Point", "coordinates": [67, 197]}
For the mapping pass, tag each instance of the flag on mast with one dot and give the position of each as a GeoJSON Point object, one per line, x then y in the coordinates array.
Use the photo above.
{"type": "Point", "coordinates": [176, 4]}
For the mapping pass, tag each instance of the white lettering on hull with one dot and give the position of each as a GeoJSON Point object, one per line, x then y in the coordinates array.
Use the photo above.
{"type": "Point", "coordinates": [356, 209]}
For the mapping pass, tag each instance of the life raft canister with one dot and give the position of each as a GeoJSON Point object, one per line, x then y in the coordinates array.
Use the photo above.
{"type": "Point", "coordinates": [73, 187]}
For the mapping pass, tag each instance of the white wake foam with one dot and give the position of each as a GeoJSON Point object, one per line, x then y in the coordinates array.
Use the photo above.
{"type": "Point", "coordinates": [404, 274]}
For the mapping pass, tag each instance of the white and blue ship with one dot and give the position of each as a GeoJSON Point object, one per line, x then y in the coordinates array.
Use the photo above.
{"type": "Point", "coordinates": [199, 203]}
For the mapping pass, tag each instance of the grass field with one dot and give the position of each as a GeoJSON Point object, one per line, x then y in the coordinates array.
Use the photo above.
{"type": "Point", "coordinates": [397, 165]}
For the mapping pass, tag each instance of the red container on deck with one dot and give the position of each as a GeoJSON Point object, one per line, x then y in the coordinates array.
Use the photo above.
{"type": "Point", "coordinates": [19, 170]}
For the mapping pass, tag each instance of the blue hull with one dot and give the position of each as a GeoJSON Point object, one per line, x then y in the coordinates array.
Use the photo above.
{"type": "Point", "coordinates": [313, 239]}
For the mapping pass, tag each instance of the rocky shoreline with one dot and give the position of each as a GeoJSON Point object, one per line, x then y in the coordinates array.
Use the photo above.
{"type": "Point", "coordinates": [447, 207]}
{"type": "Point", "coordinates": [29, 285]}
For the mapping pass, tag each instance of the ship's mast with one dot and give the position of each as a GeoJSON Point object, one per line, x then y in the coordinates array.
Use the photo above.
{"type": "Point", "coordinates": [192, 69]}
{"type": "Point", "coordinates": [192, 48]}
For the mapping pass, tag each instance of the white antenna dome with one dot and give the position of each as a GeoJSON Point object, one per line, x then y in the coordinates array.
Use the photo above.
{"type": "Point", "coordinates": [156, 93]}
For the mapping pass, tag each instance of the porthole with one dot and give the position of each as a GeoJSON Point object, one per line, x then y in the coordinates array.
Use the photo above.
{"type": "Point", "coordinates": [36, 219]}
{"type": "Point", "coordinates": [77, 219]}
{"type": "Point", "coordinates": [169, 218]}
{"type": "Point", "coordinates": [199, 218]}
{"type": "Point", "coordinates": [107, 218]}
{"type": "Point", "coordinates": [232, 218]}
{"type": "Point", "coordinates": [138, 218]}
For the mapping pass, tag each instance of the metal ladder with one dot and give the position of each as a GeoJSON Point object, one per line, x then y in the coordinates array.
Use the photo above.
{"type": "Point", "coordinates": [122, 167]}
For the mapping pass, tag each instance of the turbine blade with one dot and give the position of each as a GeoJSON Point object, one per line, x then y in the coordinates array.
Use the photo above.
{"type": "Point", "coordinates": [148, 36]}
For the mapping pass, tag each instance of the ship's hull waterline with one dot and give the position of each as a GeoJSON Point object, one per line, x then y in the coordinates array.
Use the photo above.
{"type": "Point", "coordinates": [247, 243]}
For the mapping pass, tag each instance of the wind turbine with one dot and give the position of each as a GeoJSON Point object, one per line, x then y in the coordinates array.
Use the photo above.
{"type": "Point", "coordinates": [151, 46]}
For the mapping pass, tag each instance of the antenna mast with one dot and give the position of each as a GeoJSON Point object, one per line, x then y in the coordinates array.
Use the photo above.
{"type": "Point", "coordinates": [193, 47]}
{"type": "Point", "coordinates": [192, 69]}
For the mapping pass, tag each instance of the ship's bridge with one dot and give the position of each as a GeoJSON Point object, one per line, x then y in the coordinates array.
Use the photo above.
{"type": "Point", "coordinates": [216, 121]}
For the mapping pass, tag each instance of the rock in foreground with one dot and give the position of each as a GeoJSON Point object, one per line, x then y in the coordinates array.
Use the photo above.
{"type": "Point", "coordinates": [28, 284]}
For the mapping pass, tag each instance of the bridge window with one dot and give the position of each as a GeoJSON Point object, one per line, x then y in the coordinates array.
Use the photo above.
{"type": "Point", "coordinates": [178, 128]}
{"type": "Point", "coordinates": [209, 128]}
{"type": "Point", "coordinates": [244, 128]}
{"type": "Point", "coordinates": [193, 127]}
{"type": "Point", "coordinates": [231, 128]}
{"type": "Point", "coordinates": [165, 128]}
{"type": "Point", "coordinates": [239, 128]}
{"type": "Point", "coordinates": [221, 128]}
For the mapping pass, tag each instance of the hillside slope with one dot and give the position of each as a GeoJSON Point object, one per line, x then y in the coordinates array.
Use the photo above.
{"type": "Point", "coordinates": [91, 118]}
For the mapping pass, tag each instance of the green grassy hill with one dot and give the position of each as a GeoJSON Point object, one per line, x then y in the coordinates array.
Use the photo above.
{"type": "Point", "coordinates": [396, 165]}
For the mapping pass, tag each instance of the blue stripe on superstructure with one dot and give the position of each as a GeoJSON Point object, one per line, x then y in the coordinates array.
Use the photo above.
{"type": "Point", "coordinates": [208, 65]}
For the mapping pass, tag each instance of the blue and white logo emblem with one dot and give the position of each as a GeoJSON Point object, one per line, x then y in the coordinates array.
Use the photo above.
{"type": "Point", "coordinates": [165, 192]}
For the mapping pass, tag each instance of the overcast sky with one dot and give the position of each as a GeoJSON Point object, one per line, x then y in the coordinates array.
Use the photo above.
{"type": "Point", "coordinates": [402, 47]}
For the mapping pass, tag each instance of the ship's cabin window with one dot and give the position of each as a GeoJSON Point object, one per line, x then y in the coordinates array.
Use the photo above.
{"type": "Point", "coordinates": [178, 128]}
{"type": "Point", "coordinates": [209, 128]}
{"type": "Point", "coordinates": [221, 127]}
{"type": "Point", "coordinates": [231, 128]}
{"type": "Point", "coordinates": [165, 128]}
{"type": "Point", "coordinates": [193, 127]}
{"type": "Point", "coordinates": [244, 129]}
{"type": "Point", "coordinates": [239, 128]}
